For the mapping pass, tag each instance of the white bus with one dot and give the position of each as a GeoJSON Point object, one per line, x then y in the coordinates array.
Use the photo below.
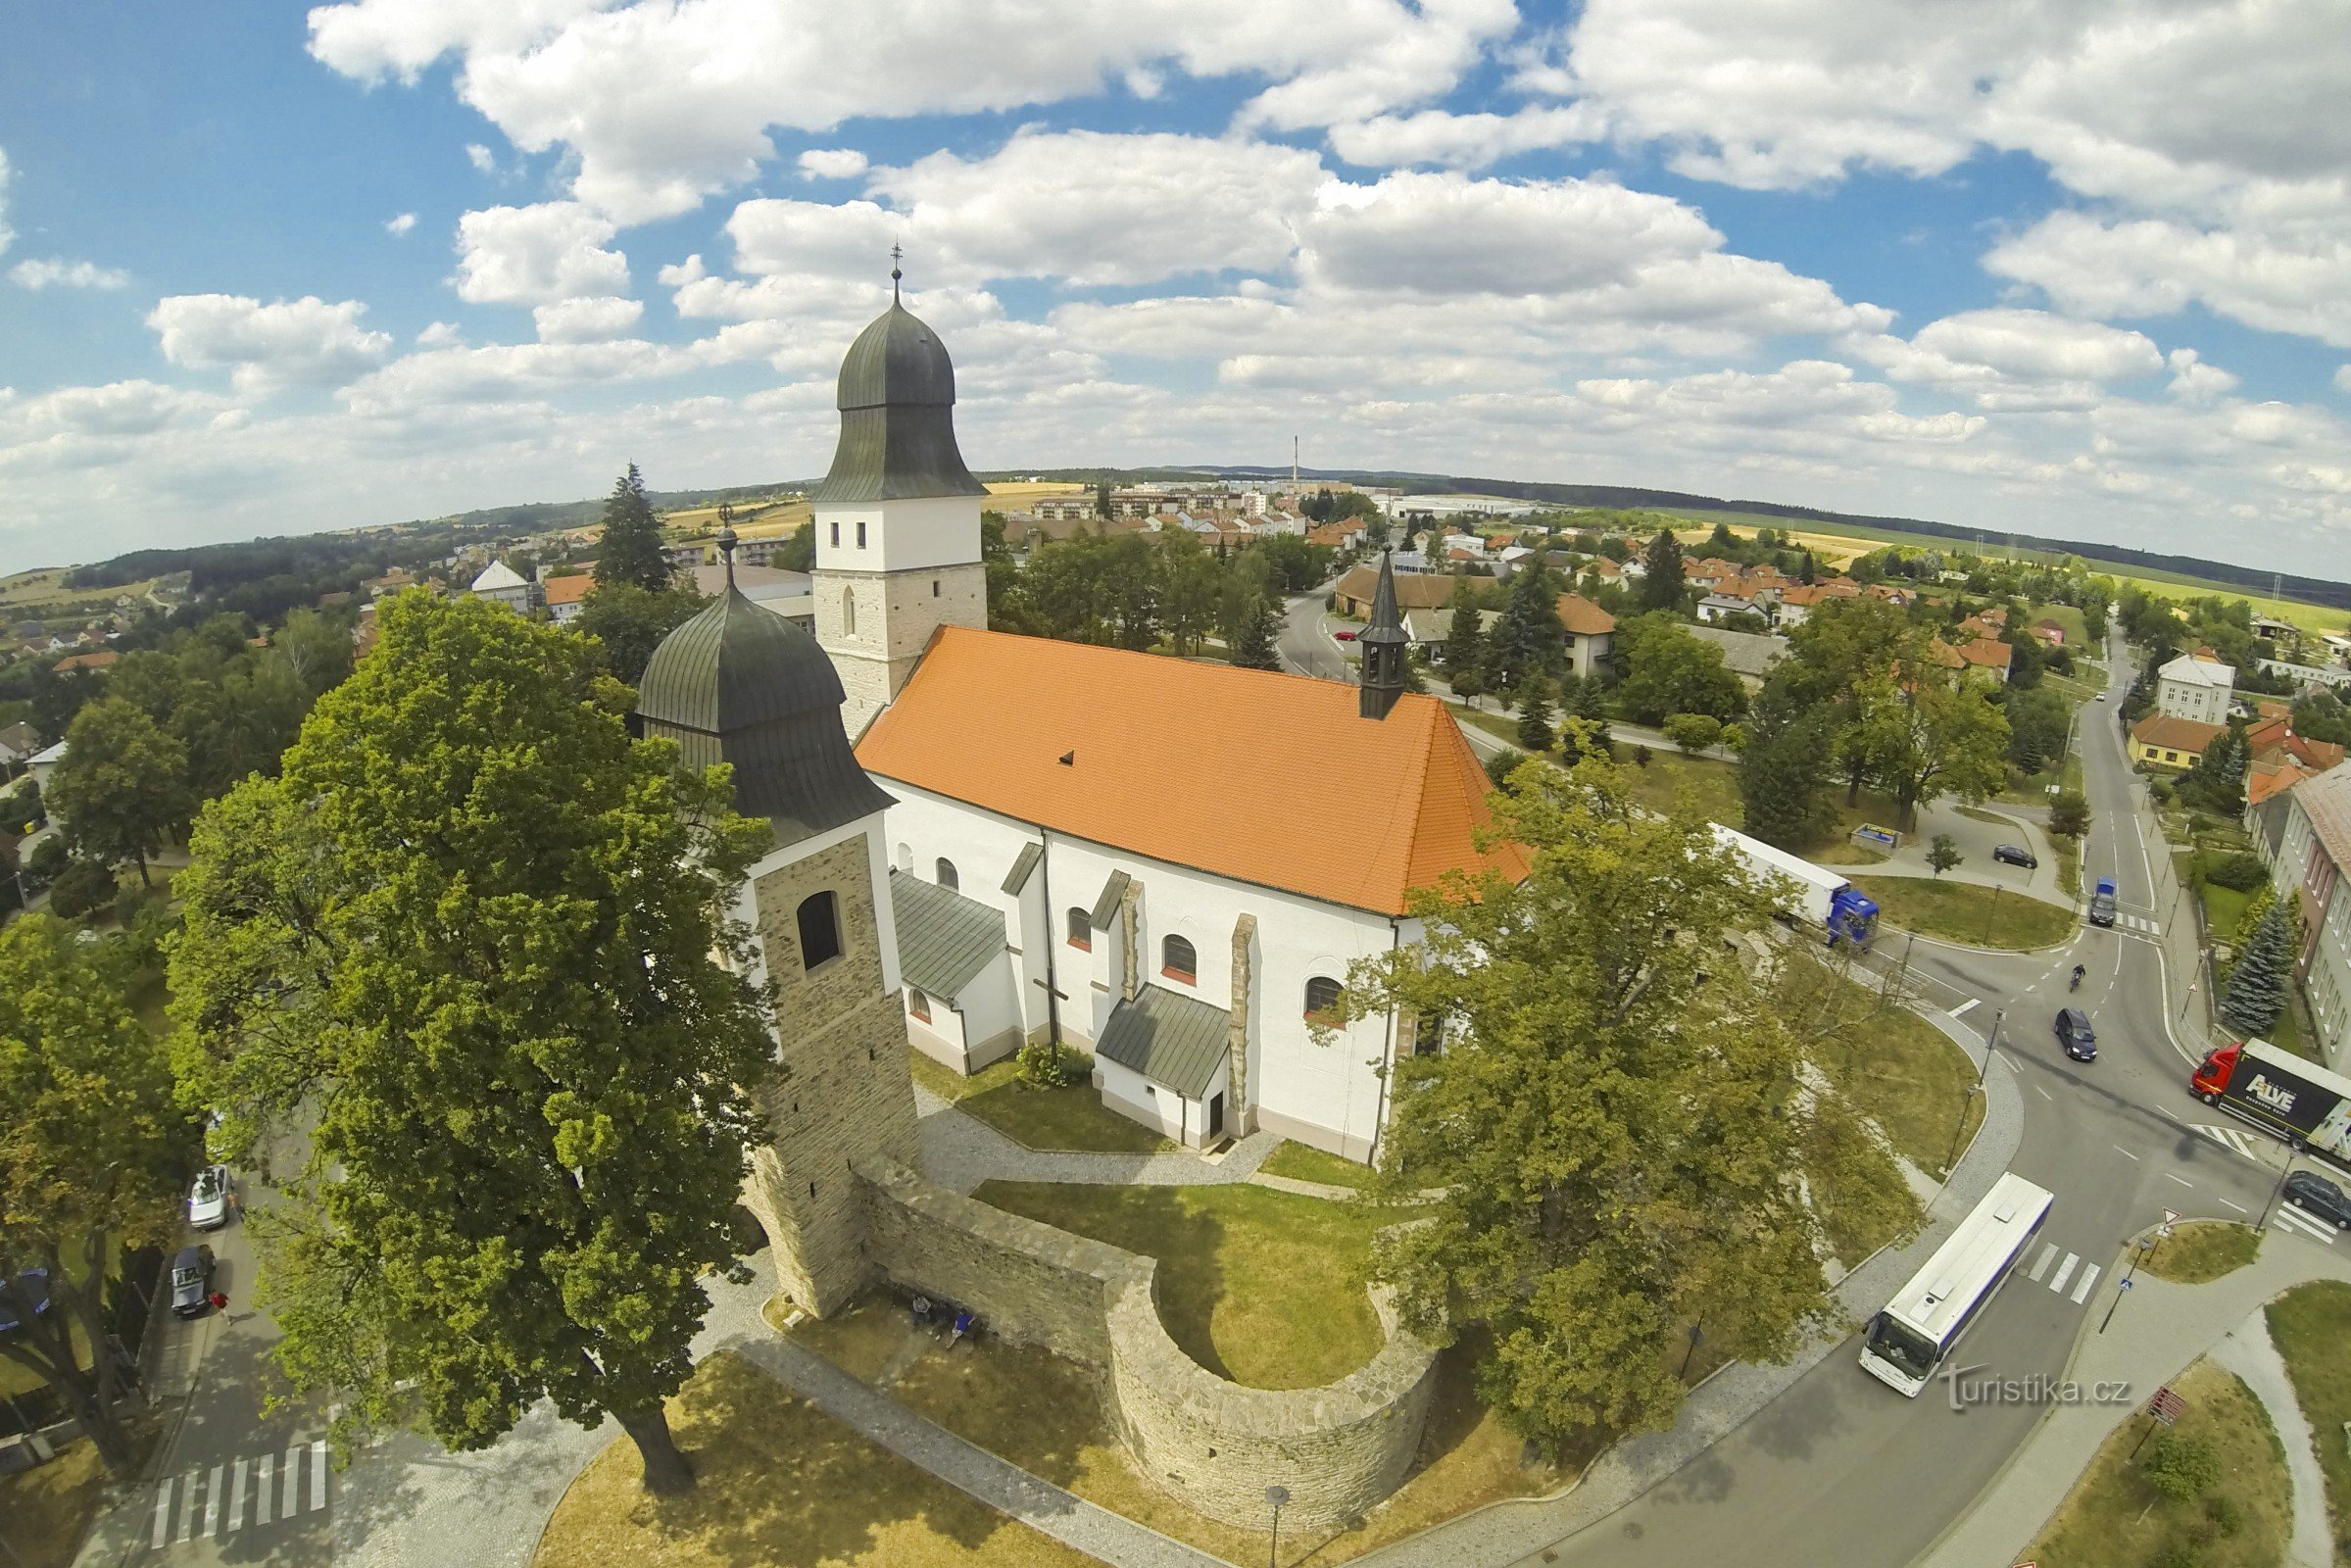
{"type": "Point", "coordinates": [1927, 1316]}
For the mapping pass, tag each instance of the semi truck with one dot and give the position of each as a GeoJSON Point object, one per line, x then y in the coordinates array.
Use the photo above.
{"type": "Point", "coordinates": [1811, 895]}
{"type": "Point", "coordinates": [2285, 1096]}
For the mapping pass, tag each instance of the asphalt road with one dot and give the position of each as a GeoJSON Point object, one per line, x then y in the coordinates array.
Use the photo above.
{"type": "Point", "coordinates": [1843, 1469]}
{"type": "Point", "coordinates": [1305, 648]}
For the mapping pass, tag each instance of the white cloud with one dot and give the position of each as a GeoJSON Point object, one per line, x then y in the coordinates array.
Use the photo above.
{"type": "Point", "coordinates": [2156, 266]}
{"type": "Point", "coordinates": [7, 235]}
{"type": "Point", "coordinates": [587, 320]}
{"type": "Point", "coordinates": [118, 409]}
{"type": "Point", "coordinates": [2036, 346]}
{"type": "Point", "coordinates": [440, 336]}
{"type": "Point", "coordinates": [1464, 141]}
{"type": "Point", "coordinates": [2195, 380]}
{"type": "Point", "coordinates": [268, 347]}
{"type": "Point", "coordinates": [53, 274]}
{"type": "Point", "coordinates": [485, 160]}
{"type": "Point", "coordinates": [536, 255]}
{"type": "Point", "coordinates": [436, 383]}
{"type": "Point", "coordinates": [2342, 378]}
{"type": "Point", "coordinates": [400, 223]}
{"type": "Point", "coordinates": [832, 163]}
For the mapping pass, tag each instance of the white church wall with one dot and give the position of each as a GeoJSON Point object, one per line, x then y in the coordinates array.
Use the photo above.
{"type": "Point", "coordinates": [900, 535]}
{"type": "Point", "coordinates": [1172, 1116]}
{"type": "Point", "coordinates": [939, 1037]}
{"type": "Point", "coordinates": [991, 1015]}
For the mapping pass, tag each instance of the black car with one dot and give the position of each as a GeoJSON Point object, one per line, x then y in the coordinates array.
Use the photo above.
{"type": "Point", "coordinates": [192, 1281]}
{"type": "Point", "coordinates": [2314, 1193]}
{"type": "Point", "coordinates": [2015, 855]}
{"type": "Point", "coordinates": [2074, 1033]}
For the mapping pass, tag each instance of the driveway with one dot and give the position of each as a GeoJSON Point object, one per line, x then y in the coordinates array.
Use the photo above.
{"type": "Point", "coordinates": [2018, 825]}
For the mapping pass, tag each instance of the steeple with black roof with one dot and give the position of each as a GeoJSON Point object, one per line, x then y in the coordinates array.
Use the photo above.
{"type": "Point", "coordinates": [1383, 644]}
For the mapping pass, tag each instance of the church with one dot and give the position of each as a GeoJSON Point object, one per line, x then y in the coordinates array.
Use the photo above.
{"type": "Point", "coordinates": [1167, 864]}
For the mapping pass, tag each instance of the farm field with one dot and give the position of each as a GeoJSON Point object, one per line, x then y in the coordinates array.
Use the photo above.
{"type": "Point", "coordinates": [29, 592]}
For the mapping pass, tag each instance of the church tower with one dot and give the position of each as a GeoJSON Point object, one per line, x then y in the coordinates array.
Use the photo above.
{"type": "Point", "coordinates": [1383, 644]}
{"type": "Point", "coordinates": [742, 685]}
{"type": "Point", "coordinates": [897, 517]}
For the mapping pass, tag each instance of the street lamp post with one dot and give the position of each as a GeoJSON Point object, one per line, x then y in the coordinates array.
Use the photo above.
{"type": "Point", "coordinates": [2275, 1190]}
{"type": "Point", "coordinates": [1277, 1495]}
{"type": "Point", "coordinates": [1983, 1071]}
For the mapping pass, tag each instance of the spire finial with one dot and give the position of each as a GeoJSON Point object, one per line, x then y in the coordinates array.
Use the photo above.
{"type": "Point", "coordinates": [895, 274]}
{"type": "Point", "coordinates": [726, 552]}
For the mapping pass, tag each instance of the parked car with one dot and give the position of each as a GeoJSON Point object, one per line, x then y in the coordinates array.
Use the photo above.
{"type": "Point", "coordinates": [208, 1199]}
{"type": "Point", "coordinates": [2074, 1033]}
{"type": "Point", "coordinates": [192, 1281]}
{"type": "Point", "coordinates": [2101, 902]}
{"type": "Point", "coordinates": [2015, 855]}
{"type": "Point", "coordinates": [2099, 698]}
{"type": "Point", "coordinates": [2314, 1193]}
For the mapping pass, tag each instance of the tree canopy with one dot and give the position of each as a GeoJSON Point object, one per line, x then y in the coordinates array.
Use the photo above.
{"type": "Point", "coordinates": [1662, 588]}
{"type": "Point", "coordinates": [630, 622]}
{"type": "Point", "coordinates": [1670, 670]}
{"type": "Point", "coordinates": [123, 785]}
{"type": "Point", "coordinates": [475, 927]}
{"type": "Point", "coordinates": [631, 549]}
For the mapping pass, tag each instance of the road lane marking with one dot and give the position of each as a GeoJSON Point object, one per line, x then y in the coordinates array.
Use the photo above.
{"type": "Point", "coordinates": [2124, 1153]}
{"type": "Point", "coordinates": [2169, 1111]}
{"type": "Point", "coordinates": [265, 1473]}
{"type": "Point", "coordinates": [1964, 1006]}
{"type": "Point", "coordinates": [317, 1474]}
{"type": "Point", "coordinates": [2048, 1256]}
{"type": "Point", "coordinates": [2239, 1208]}
{"type": "Point", "coordinates": [211, 1504]}
{"type": "Point", "coordinates": [162, 1513]}
{"type": "Point", "coordinates": [2045, 1094]}
{"type": "Point", "coordinates": [2064, 1269]}
{"type": "Point", "coordinates": [2090, 1277]}
{"type": "Point", "coordinates": [293, 1495]}
{"type": "Point", "coordinates": [236, 1498]}
{"type": "Point", "coordinates": [2181, 1180]}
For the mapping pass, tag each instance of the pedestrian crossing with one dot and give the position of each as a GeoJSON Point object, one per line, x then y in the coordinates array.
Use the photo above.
{"type": "Point", "coordinates": [2073, 1269]}
{"type": "Point", "coordinates": [224, 1499]}
{"type": "Point", "coordinates": [2233, 1137]}
{"type": "Point", "coordinates": [2290, 1218]}
{"type": "Point", "coordinates": [2137, 922]}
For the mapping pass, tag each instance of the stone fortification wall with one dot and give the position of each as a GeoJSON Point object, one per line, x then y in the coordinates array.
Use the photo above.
{"type": "Point", "coordinates": [1214, 1445]}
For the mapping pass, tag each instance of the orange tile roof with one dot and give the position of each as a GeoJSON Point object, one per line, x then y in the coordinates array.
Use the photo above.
{"type": "Point", "coordinates": [1164, 748]}
{"type": "Point", "coordinates": [2271, 778]}
{"type": "Point", "coordinates": [97, 661]}
{"type": "Point", "coordinates": [2175, 734]}
{"type": "Point", "coordinates": [1584, 618]}
{"type": "Point", "coordinates": [1990, 654]}
{"type": "Point", "coordinates": [569, 590]}
{"type": "Point", "coordinates": [1414, 590]}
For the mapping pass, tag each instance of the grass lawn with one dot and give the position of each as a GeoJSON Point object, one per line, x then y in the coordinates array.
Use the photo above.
{"type": "Point", "coordinates": [2077, 630]}
{"type": "Point", "coordinates": [1713, 786]}
{"type": "Point", "coordinates": [1263, 1287]}
{"type": "Point", "coordinates": [1072, 1117]}
{"type": "Point", "coordinates": [1045, 1414]}
{"type": "Point", "coordinates": [1902, 1073]}
{"type": "Point", "coordinates": [17, 1379]}
{"type": "Point", "coordinates": [1964, 911]}
{"type": "Point", "coordinates": [2114, 1519]}
{"type": "Point", "coordinates": [49, 1510]}
{"type": "Point", "coordinates": [1302, 1163]}
{"type": "Point", "coordinates": [2203, 1249]}
{"type": "Point", "coordinates": [778, 1485]}
{"type": "Point", "coordinates": [2224, 908]}
{"type": "Point", "coordinates": [2311, 1323]}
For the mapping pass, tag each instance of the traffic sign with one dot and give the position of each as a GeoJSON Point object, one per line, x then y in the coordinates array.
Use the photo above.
{"type": "Point", "coordinates": [2170, 1216]}
{"type": "Point", "coordinates": [2167, 1406]}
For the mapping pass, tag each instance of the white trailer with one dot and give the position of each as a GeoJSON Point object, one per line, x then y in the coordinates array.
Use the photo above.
{"type": "Point", "coordinates": [1815, 895]}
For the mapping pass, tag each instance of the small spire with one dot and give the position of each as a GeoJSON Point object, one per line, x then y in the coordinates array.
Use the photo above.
{"type": "Point", "coordinates": [1381, 647]}
{"type": "Point", "coordinates": [895, 274]}
{"type": "Point", "coordinates": [726, 552]}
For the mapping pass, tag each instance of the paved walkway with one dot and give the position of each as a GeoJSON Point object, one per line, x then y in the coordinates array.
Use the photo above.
{"type": "Point", "coordinates": [2154, 1336]}
{"type": "Point", "coordinates": [960, 1151]}
{"type": "Point", "coordinates": [2248, 1352]}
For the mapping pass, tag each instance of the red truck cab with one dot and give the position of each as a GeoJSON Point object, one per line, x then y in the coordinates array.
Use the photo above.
{"type": "Point", "coordinates": [2212, 1074]}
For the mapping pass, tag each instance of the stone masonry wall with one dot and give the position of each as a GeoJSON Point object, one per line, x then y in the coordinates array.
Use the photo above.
{"type": "Point", "coordinates": [1214, 1445]}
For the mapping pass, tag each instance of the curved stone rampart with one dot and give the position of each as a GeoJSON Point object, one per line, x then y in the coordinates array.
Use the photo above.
{"type": "Point", "coordinates": [1216, 1446]}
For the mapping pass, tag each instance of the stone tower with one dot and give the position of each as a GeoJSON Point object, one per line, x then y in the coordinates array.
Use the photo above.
{"type": "Point", "coordinates": [897, 517]}
{"type": "Point", "coordinates": [1383, 644]}
{"type": "Point", "coordinates": [742, 685]}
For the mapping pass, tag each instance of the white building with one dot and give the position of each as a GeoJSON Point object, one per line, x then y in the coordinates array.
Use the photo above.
{"type": "Point", "coordinates": [2193, 688]}
{"type": "Point", "coordinates": [504, 585]}
{"type": "Point", "coordinates": [2308, 865]}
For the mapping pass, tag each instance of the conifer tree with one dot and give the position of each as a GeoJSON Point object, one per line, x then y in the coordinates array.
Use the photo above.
{"type": "Point", "coordinates": [1254, 647]}
{"type": "Point", "coordinates": [631, 548]}
{"type": "Point", "coordinates": [1535, 729]}
{"type": "Point", "coordinates": [1465, 638]}
{"type": "Point", "coordinates": [1661, 589]}
{"type": "Point", "coordinates": [2256, 993]}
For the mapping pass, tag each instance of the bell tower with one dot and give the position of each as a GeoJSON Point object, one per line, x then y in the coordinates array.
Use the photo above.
{"type": "Point", "coordinates": [1384, 643]}
{"type": "Point", "coordinates": [897, 517]}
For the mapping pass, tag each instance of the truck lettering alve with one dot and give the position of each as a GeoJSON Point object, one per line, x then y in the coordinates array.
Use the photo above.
{"type": "Point", "coordinates": [2283, 1095]}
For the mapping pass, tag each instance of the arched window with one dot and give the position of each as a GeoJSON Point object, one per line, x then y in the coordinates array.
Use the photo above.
{"type": "Point", "coordinates": [849, 611]}
{"type": "Point", "coordinates": [1322, 998]}
{"type": "Point", "coordinates": [1178, 961]}
{"type": "Point", "coordinates": [820, 930]}
{"type": "Point", "coordinates": [918, 1005]}
{"type": "Point", "coordinates": [947, 874]}
{"type": "Point", "coordinates": [905, 858]}
{"type": "Point", "coordinates": [1081, 929]}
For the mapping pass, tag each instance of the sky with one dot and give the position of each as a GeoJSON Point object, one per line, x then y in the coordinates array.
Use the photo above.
{"type": "Point", "coordinates": [2077, 269]}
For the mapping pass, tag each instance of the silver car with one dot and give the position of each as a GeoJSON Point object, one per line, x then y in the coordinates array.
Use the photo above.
{"type": "Point", "coordinates": [208, 1199]}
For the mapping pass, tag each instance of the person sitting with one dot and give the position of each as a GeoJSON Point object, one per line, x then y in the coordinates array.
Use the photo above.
{"type": "Point", "coordinates": [964, 1325]}
{"type": "Point", "coordinates": [922, 1311]}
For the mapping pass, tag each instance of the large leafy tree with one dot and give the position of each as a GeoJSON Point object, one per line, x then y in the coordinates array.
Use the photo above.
{"type": "Point", "coordinates": [1838, 646]}
{"type": "Point", "coordinates": [1191, 596]}
{"type": "Point", "coordinates": [474, 928]}
{"type": "Point", "coordinates": [122, 784]}
{"type": "Point", "coordinates": [1783, 780]}
{"type": "Point", "coordinates": [631, 550]}
{"type": "Point", "coordinates": [1923, 737]}
{"type": "Point", "coordinates": [630, 622]}
{"type": "Point", "coordinates": [93, 1146]}
{"type": "Point", "coordinates": [1669, 670]}
{"type": "Point", "coordinates": [1614, 1121]}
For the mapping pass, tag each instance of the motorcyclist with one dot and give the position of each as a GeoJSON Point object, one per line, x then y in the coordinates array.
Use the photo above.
{"type": "Point", "coordinates": [2079, 972]}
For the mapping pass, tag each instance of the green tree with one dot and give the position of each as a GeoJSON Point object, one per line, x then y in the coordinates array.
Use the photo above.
{"type": "Point", "coordinates": [1501, 765]}
{"type": "Point", "coordinates": [1102, 495]}
{"type": "Point", "coordinates": [122, 784]}
{"type": "Point", "coordinates": [91, 1148]}
{"type": "Point", "coordinates": [799, 551]}
{"type": "Point", "coordinates": [1923, 739]}
{"type": "Point", "coordinates": [1661, 589]}
{"type": "Point", "coordinates": [1526, 638]}
{"type": "Point", "coordinates": [630, 622]}
{"type": "Point", "coordinates": [1613, 1123]}
{"type": "Point", "coordinates": [631, 550]}
{"type": "Point", "coordinates": [1694, 732]}
{"type": "Point", "coordinates": [484, 934]}
{"type": "Point", "coordinates": [1536, 731]}
{"type": "Point", "coordinates": [1256, 648]}
{"type": "Point", "coordinates": [317, 651]}
{"type": "Point", "coordinates": [1943, 852]}
{"type": "Point", "coordinates": [2038, 725]}
{"type": "Point", "coordinates": [1669, 670]}
{"type": "Point", "coordinates": [2255, 995]}
{"type": "Point", "coordinates": [1465, 633]}
{"type": "Point", "coordinates": [1783, 781]}
{"type": "Point", "coordinates": [1191, 592]}
{"type": "Point", "coordinates": [2068, 814]}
